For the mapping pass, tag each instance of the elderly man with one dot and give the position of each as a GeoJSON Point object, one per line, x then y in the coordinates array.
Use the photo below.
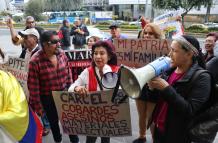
{"type": "Point", "coordinates": [30, 41]}
{"type": "Point", "coordinates": [48, 71]}
{"type": "Point", "coordinates": [115, 32]}
{"type": "Point", "coordinates": [17, 38]}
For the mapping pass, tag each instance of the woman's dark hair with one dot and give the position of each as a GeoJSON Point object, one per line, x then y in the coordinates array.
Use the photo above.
{"type": "Point", "coordinates": [110, 50]}
{"type": "Point", "coordinates": [46, 36]}
{"type": "Point", "coordinates": [195, 43]}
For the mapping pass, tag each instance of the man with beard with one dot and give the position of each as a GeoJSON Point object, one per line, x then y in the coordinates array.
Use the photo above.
{"type": "Point", "coordinates": [48, 71]}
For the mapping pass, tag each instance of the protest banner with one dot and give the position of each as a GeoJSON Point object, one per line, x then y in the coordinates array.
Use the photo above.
{"type": "Point", "coordinates": [93, 114]}
{"type": "Point", "coordinates": [139, 52]}
{"type": "Point", "coordinates": [78, 61]}
{"type": "Point", "coordinates": [169, 23]}
{"type": "Point", "coordinates": [17, 67]}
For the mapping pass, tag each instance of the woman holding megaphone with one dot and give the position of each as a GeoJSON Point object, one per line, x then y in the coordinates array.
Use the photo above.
{"type": "Point", "coordinates": [177, 104]}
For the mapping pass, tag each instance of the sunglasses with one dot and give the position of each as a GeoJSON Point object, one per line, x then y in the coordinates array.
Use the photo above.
{"type": "Point", "coordinates": [30, 22]}
{"type": "Point", "coordinates": [54, 41]}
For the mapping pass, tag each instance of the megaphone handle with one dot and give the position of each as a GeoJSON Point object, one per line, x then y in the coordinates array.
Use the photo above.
{"type": "Point", "coordinates": [99, 83]}
{"type": "Point", "coordinates": [116, 89]}
{"type": "Point", "coordinates": [117, 85]}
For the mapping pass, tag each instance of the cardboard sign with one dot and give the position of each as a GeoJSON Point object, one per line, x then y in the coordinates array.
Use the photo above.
{"type": "Point", "coordinates": [139, 52]}
{"type": "Point", "coordinates": [93, 114]}
{"type": "Point", "coordinates": [18, 68]}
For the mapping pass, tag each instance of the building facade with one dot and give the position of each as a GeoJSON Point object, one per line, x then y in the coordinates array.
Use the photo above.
{"type": "Point", "coordinates": [97, 5]}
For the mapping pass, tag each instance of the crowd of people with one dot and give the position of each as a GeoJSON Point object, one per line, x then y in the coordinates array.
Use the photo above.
{"type": "Point", "coordinates": [166, 105]}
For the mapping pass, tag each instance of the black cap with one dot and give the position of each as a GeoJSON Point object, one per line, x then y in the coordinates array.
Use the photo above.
{"type": "Point", "coordinates": [114, 25]}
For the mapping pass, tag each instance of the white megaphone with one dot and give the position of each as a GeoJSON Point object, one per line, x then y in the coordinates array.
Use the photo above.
{"type": "Point", "coordinates": [132, 80]}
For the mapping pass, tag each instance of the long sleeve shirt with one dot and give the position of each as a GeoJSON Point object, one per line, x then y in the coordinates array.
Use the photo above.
{"type": "Point", "coordinates": [83, 78]}
{"type": "Point", "coordinates": [43, 77]}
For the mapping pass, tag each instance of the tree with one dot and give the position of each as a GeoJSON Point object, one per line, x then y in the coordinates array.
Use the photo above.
{"type": "Point", "coordinates": [209, 5]}
{"type": "Point", "coordinates": [62, 5]}
{"type": "Point", "coordinates": [35, 9]}
{"type": "Point", "coordinates": [186, 5]}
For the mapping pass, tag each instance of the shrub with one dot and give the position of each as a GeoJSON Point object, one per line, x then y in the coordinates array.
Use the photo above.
{"type": "Point", "coordinates": [197, 28]}
{"type": "Point", "coordinates": [211, 29]}
{"type": "Point", "coordinates": [17, 18]}
{"type": "Point", "coordinates": [104, 23]}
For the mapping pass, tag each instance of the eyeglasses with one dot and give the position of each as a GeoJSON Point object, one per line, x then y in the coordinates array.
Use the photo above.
{"type": "Point", "coordinates": [149, 33]}
{"type": "Point", "coordinates": [30, 22]}
{"type": "Point", "coordinates": [54, 41]}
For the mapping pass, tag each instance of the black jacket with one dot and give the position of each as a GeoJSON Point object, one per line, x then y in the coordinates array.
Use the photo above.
{"type": "Point", "coordinates": [65, 41]}
{"type": "Point", "coordinates": [211, 66]}
{"type": "Point", "coordinates": [182, 104]}
{"type": "Point", "coordinates": [79, 39]}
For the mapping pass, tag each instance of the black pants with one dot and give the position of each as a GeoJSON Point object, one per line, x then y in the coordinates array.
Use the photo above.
{"type": "Point", "coordinates": [91, 139]}
{"type": "Point", "coordinates": [52, 115]}
{"type": "Point", "coordinates": [158, 136]}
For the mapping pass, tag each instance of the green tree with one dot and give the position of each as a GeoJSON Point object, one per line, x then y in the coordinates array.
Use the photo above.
{"type": "Point", "coordinates": [35, 9]}
{"type": "Point", "coordinates": [62, 5]}
{"type": "Point", "coordinates": [186, 5]}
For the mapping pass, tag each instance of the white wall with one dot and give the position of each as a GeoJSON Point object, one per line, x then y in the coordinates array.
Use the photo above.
{"type": "Point", "coordinates": [2, 5]}
{"type": "Point", "coordinates": [128, 2]}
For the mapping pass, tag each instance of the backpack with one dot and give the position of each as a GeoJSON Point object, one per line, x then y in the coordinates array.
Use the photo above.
{"type": "Point", "coordinates": [204, 126]}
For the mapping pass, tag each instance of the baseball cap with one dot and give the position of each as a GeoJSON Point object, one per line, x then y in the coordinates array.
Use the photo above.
{"type": "Point", "coordinates": [31, 31]}
{"type": "Point", "coordinates": [114, 25]}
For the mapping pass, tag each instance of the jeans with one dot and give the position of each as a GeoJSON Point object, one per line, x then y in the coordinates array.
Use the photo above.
{"type": "Point", "coordinates": [45, 122]}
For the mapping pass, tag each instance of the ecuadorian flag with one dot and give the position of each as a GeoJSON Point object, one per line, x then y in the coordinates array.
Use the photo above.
{"type": "Point", "coordinates": [34, 130]}
{"type": "Point", "coordinates": [15, 115]}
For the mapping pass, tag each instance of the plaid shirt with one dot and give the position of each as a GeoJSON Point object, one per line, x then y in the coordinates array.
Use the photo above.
{"type": "Point", "coordinates": [43, 77]}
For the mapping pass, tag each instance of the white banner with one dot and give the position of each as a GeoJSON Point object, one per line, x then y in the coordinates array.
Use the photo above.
{"type": "Point", "coordinates": [169, 23]}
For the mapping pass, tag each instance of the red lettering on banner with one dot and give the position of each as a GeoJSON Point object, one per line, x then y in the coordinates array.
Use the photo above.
{"type": "Point", "coordinates": [133, 43]}
{"type": "Point", "coordinates": [121, 43]}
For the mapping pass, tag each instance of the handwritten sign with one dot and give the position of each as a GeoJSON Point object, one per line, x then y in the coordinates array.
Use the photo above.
{"type": "Point", "coordinates": [17, 67]}
{"type": "Point", "coordinates": [139, 52]}
{"type": "Point", "coordinates": [93, 114]}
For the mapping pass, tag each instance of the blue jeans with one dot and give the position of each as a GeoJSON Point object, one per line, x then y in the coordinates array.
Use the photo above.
{"type": "Point", "coordinates": [45, 122]}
